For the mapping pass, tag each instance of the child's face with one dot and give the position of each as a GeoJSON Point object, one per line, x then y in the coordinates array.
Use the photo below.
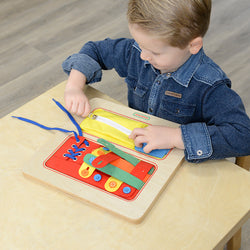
{"type": "Point", "coordinates": [162, 56]}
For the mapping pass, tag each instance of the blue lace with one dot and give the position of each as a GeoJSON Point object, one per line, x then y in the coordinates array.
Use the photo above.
{"type": "Point", "coordinates": [55, 128]}
{"type": "Point", "coordinates": [73, 155]}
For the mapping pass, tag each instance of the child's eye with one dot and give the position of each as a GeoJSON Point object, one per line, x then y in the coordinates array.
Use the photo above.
{"type": "Point", "coordinates": [155, 53]}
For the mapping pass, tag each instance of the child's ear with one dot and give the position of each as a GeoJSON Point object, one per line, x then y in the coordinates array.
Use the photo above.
{"type": "Point", "coordinates": [195, 45]}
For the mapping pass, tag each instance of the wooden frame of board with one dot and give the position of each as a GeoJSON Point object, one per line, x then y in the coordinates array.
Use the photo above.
{"type": "Point", "coordinates": [134, 209]}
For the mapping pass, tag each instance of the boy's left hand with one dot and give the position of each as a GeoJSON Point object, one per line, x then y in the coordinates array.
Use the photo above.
{"type": "Point", "coordinates": [157, 137]}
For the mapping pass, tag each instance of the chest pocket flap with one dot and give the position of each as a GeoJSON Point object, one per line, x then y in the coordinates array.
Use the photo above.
{"type": "Point", "coordinates": [178, 109]}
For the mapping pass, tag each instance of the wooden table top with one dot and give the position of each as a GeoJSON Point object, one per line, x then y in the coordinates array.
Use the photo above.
{"type": "Point", "coordinates": [201, 208]}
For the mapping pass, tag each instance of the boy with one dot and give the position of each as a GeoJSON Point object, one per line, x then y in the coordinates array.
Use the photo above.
{"type": "Point", "coordinates": [168, 75]}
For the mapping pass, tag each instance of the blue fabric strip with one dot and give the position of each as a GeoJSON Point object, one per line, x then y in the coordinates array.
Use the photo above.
{"type": "Point", "coordinates": [70, 116]}
{"type": "Point", "coordinates": [159, 153]}
{"type": "Point", "coordinates": [55, 128]}
{"type": "Point", "coordinates": [45, 127]}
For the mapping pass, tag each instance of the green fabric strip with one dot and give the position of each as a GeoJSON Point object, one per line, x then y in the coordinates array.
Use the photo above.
{"type": "Point", "coordinates": [151, 171]}
{"type": "Point", "coordinates": [117, 173]}
{"type": "Point", "coordinates": [131, 159]}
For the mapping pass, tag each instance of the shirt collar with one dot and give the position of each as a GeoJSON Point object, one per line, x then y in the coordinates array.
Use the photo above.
{"type": "Point", "coordinates": [184, 74]}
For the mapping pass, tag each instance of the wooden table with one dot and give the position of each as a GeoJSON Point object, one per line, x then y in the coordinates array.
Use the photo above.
{"type": "Point", "coordinates": [201, 208]}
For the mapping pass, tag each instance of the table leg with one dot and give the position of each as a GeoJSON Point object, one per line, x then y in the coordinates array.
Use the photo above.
{"type": "Point", "coordinates": [235, 242]}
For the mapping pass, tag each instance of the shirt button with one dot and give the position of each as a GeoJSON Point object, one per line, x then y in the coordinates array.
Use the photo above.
{"type": "Point", "coordinates": [199, 152]}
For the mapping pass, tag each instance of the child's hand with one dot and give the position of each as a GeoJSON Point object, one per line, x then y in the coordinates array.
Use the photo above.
{"type": "Point", "coordinates": [157, 137]}
{"type": "Point", "coordinates": [75, 99]}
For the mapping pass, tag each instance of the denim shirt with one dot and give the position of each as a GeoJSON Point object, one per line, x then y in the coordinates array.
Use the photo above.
{"type": "Point", "coordinates": [197, 95]}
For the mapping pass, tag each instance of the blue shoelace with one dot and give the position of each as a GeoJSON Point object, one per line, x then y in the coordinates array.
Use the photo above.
{"type": "Point", "coordinates": [55, 128]}
{"type": "Point", "coordinates": [74, 154]}
{"type": "Point", "coordinates": [77, 150]}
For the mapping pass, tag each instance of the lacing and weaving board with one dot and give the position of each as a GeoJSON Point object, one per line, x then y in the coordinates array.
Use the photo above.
{"type": "Point", "coordinates": [98, 170]}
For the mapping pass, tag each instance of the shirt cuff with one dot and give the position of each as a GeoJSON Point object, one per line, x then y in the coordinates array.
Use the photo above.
{"type": "Point", "coordinates": [197, 141]}
{"type": "Point", "coordinates": [85, 64]}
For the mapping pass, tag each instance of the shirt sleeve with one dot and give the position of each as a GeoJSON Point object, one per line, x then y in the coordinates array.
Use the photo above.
{"type": "Point", "coordinates": [101, 55]}
{"type": "Point", "coordinates": [85, 64]}
{"type": "Point", "coordinates": [225, 131]}
{"type": "Point", "coordinates": [197, 141]}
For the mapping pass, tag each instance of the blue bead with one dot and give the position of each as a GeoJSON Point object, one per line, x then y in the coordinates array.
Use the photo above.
{"type": "Point", "coordinates": [91, 159]}
{"type": "Point", "coordinates": [97, 177]}
{"type": "Point", "coordinates": [126, 190]}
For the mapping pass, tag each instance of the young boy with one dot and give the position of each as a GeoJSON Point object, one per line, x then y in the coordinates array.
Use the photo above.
{"type": "Point", "coordinates": [168, 75]}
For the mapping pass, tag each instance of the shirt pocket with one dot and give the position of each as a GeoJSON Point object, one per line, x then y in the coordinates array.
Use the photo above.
{"type": "Point", "coordinates": [137, 94]}
{"type": "Point", "coordinates": [177, 112]}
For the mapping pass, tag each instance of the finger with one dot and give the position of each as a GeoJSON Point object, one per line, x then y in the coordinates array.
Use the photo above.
{"type": "Point", "coordinates": [86, 110]}
{"type": "Point", "coordinates": [148, 148]}
{"type": "Point", "coordinates": [137, 132]}
{"type": "Point", "coordinates": [74, 107]}
{"type": "Point", "coordinates": [80, 110]}
{"type": "Point", "coordinates": [68, 104]}
{"type": "Point", "coordinates": [139, 140]}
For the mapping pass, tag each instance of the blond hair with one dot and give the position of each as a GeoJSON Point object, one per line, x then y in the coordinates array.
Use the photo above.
{"type": "Point", "coordinates": [177, 22]}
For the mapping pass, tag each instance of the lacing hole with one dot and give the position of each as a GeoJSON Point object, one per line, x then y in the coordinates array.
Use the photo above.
{"type": "Point", "coordinates": [64, 155]}
{"type": "Point", "coordinates": [73, 146]}
{"type": "Point", "coordinates": [74, 159]}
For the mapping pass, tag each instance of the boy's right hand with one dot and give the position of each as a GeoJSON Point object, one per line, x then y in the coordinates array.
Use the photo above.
{"type": "Point", "coordinates": [75, 99]}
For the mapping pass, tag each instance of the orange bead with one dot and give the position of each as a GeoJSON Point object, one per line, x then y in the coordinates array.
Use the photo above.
{"type": "Point", "coordinates": [112, 184]}
{"type": "Point", "coordinates": [84, 172]}
{"type": "Point", "coordinates": [100, 152]}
